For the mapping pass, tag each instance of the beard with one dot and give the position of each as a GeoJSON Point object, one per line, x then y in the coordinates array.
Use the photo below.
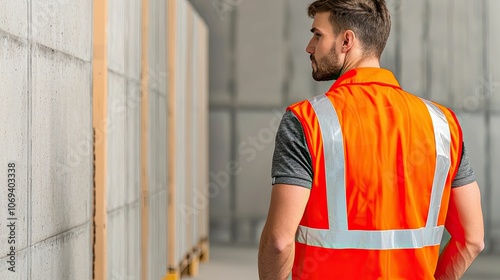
{"type": "Point", "coordinates": [328, 68]}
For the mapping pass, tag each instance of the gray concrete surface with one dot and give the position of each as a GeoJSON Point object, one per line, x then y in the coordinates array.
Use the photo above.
{"type": "Point", "coordinates": [124, 155]}
{"type": "Point", "coordinates": [46, 130]}
{"type": "Point", "coordinates": [230, 263]}
{"type": "Point", "coordinates": [241, 263]}
{"type": "Point", "coordinates": [45, 78]}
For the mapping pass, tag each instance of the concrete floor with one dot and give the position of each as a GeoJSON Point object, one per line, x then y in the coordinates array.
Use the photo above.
{"type": "Point", "coordinates": [241, 264]}
{"type": "Point", "coordinates": [230, 263]}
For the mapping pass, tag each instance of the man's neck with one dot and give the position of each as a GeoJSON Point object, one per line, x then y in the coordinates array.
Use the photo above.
{"type": "Point", "coordinates": [361, 63]}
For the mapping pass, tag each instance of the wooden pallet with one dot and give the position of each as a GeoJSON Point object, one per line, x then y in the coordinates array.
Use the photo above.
{"type": "Point", "coordinates": [205, 250]}
{"type": "Point", "coordinates": [190, 264]}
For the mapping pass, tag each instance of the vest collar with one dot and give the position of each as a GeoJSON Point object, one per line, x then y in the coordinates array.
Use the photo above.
{"type": "Point", "coordinates": [367, 76]}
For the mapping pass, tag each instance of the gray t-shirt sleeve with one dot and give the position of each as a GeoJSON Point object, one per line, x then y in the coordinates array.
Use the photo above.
{"type": "Point", "coordinates": [465, 174]}
{"type": "Point", "coordinates": [291, 160]}
{"type": "Point", "coordinates": [292, 164]}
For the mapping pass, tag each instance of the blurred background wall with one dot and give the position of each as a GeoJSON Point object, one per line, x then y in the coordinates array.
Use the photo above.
{"type": "Point", "coordinates": [440, 50]}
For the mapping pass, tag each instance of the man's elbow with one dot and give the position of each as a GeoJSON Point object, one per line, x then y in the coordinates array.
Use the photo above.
{"type": "Point", "coordinates": [279, 244]}
{"type": "Point", "coordinates": [473, 243]}
{"type": "Point", "coordinates": [475, 246]}
{"type": "Point", "coordinates": [284, 245]}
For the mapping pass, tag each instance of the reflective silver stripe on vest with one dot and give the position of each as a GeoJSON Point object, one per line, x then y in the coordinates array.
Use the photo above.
{"type": "Point", "coordinates": [442, 138]}
{"type": "Point", "coordinates": [338, 236]}
{"type": "Point", "coordinates": [370, 239]}
{"type": "Point", "coordinates": [333, 147]}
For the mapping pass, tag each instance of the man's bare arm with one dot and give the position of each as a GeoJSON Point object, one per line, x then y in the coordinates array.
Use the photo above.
{"type": "Point", "coordinates": [464, 222]}
{"type": "Point", "coordinates": [277, 243]}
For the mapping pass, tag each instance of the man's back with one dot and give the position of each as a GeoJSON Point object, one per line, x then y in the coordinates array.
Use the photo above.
{"type": "Point", "coordinates": [382, 187]}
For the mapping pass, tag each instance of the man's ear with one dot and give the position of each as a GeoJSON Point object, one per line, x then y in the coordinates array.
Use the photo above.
{"type": "Point", "coordinates": [348, 40]}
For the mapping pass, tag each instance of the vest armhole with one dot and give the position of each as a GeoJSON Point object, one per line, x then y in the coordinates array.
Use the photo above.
{"type": "Point", "coordinates": [460, 143]}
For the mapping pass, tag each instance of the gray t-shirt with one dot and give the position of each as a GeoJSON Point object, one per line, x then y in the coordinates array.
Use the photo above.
{"type": "Point", "coordinates": [292, 162]}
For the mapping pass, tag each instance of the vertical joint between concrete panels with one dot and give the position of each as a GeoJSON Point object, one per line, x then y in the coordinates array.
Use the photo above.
{"type": "Point", "coordinates": [172, 55]}
{"type": "Point", "coordinates": [487, 119]}
{"type": "Point", "coordinates": [289, 69]}
{"type": "Point", "coordinates": [144, 141]}
{"type": "Point", "coordinates": [427, 51]}
{"type": "Point", "coordinates": [397, 39]}
{"type": "Point", "coordinates": [234, 135]}
{"type": "Point", "coordinates": [205, 144]}
{"type": "Point", "coordinates": [450, 32]}
{"type": "Point", "coordinates": [199, 121]}
{"type": "Point", "coordinates": [29, 141]}
{"type": "Point", "coordinates": [99, 124]}
{"type": "Point", "coordinates": [189, 136]}
{"type": "Point", "coordinates": [126, 61]}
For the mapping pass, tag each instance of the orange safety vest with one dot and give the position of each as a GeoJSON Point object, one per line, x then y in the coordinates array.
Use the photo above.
{"type": "Point", "coordinates": [383, 162]}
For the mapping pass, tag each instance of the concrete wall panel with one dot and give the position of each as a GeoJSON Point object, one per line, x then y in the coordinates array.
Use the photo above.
{"type": "Point", "coordinates": [219, 176]}
{"type": "Point", "coordinates": [133, 39]}
{"type": "Point", "coordinates": [20, 269]}
{"type": "Point", "coordinates": [161, 77]}
{"type": "Point", "coordinates": [13, 17]}
{"type": "Point", "coordinates": [153, 47]}
{"type": "Point", "coordinates": [218, 17]}
{"type": "Point", "coordinates": [53, 95]}
{"type": "Point", "coordinates": [256, 133]}
{"type": "Point", "coordinates": [61, 143]}
{"type": "Point", "coordinates": [194, 129]}
{"type": "Point", "coordinates": [117, 110]}
{"type": "Point", "coordinates": [467, 73]}
{"type": "Point", "coordinates": [181, 91]}
{"type": "Point", "coordinates": [162, 139]}
{"type": "Point", "coordinates": [495, 191]}
{"type": "Point", "coordinates": [161, 262]}
{"type": "Point", "coordinates": [260, 83]}
{"type": "Point", "coordinates": [65, 256]}
{"type": "Point", "coordinates": [63, 25]}
{"type": "Point", "coordinates": [220, 138]}
{"type": "Point", "coordinates": [116, 245]}
{"type": "Point", "coordinates": [153, 238]}
{"type": "Point", "coordinates": [322, 87]}
{"type": "Point", "coordinates": [153, 142]}
{"type": "Point", "coordinates": [438, 63]}
{"type": "Point", "coordinates": [388, 59]}
{"type": "Point", "coordinates": [14, 148]}
{"type": "Point", "coordinates": [299, 72]}
{"type": "Point", "coordinates": [133, 242]}
{"type": "Point", "coordinates": [116, 36]}
{"type": "Point", "coordinates": [133, 142]}
{"type": "Point", "coordinates": [412, 54]}
{"type": "Point", "coordinates": [158, 236]}
{"type": "Point", "coordinates": [493, 57]}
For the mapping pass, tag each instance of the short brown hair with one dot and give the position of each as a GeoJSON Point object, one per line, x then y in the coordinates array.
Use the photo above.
{"type": "Point", "coordinates": [369, 19]}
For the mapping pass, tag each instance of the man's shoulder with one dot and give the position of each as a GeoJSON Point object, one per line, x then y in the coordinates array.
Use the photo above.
{"type": "Point", "coordinates": [305, 102]}
{"type": "Point", "coordinates": [297, 104]}
{"type": "Point", "coordinates": [446, 110]}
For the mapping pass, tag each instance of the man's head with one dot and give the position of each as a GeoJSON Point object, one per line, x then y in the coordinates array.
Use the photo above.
{"type": "Point", "coordinates": [346, 32]}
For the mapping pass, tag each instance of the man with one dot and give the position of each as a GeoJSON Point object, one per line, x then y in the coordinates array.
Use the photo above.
{"type": "Point", "coordinates": [367, 176]}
